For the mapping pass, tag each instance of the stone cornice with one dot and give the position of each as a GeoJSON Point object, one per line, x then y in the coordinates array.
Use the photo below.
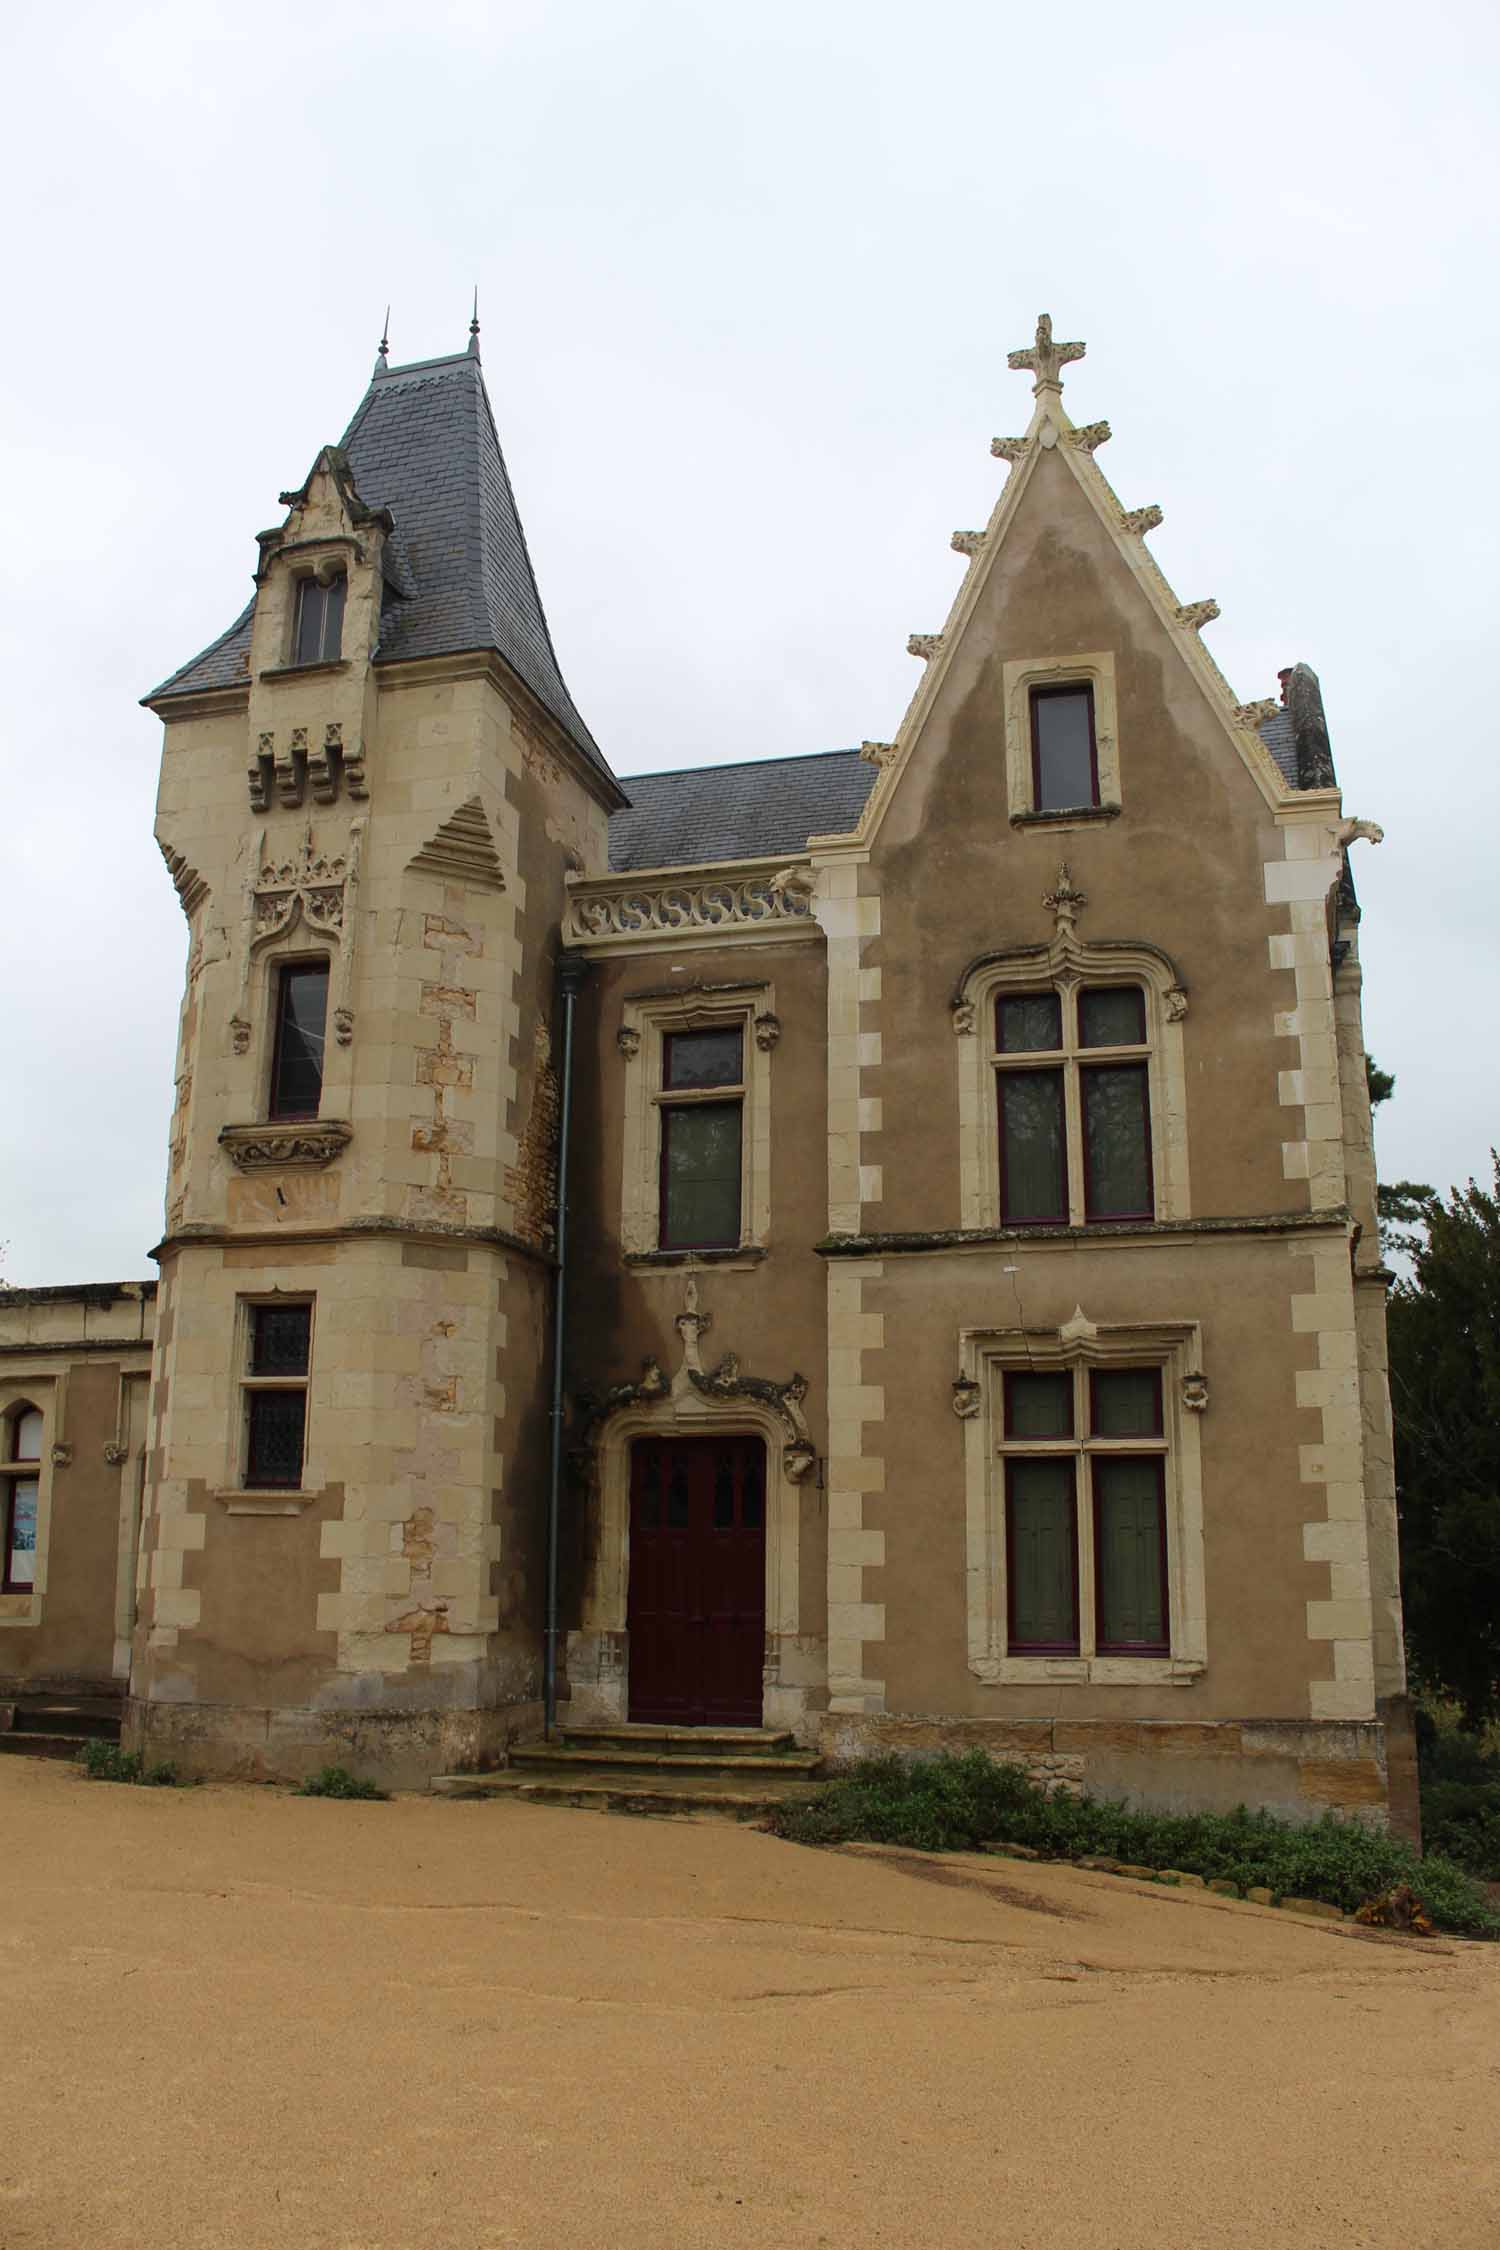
{"type": "Point", "coordinates": [1126, 1234]}
{"type": "Point", "coordinates": [361, 1230]}
{"type": "Point", "coordinates": [200, 703]}
{"type": "Point", "coordinates": [741, 902]}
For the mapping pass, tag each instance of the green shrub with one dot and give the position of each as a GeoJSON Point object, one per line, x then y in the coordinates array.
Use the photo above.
{"type": "Point", "coordinates": [338, 1781]}
{"type": "Point", "coordinates": [106, 1761]}
{"type": "Point", "coordinates": [957, 1803]}
{"type": "Point", "coordinates": [1461, 1797]}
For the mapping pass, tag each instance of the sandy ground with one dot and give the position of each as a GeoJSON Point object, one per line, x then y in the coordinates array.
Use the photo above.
{"type": "Point", "coordinates": [233, 2017]}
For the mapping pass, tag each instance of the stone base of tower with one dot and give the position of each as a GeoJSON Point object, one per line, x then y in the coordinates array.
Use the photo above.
{"type": "Point", "coordinates": [400, 1748]}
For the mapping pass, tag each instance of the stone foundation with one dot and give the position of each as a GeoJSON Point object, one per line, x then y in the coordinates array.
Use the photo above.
{"type": "Point", "coordinates": [1299, 1769]}
{"type": "Point", "coordinates": [401, 1749]}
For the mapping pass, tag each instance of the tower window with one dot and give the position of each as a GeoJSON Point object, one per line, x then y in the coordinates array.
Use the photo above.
{"type": "Point", "coordinates": [276, 1396]}
{"type": "Point", "coordinates": [297, 1058]}
{"type": "Point", "coordinates": [319, 637]}
{"type": "Point", "coordinates": [1064, 752]}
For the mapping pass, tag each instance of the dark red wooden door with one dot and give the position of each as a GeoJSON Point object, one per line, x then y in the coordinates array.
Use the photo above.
{"type": "Point", "coordinates": [697, 1609]}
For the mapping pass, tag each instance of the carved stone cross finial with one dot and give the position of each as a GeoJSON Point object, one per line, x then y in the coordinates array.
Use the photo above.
{"type": "Point", "coordinates": [1045, 358]}
{"type": "Point", "coordinates": [1064, 902]}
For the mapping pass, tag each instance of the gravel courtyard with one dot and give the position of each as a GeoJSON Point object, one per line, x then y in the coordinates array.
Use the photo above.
{"type": "Point", "coordinates": [234, 2017]}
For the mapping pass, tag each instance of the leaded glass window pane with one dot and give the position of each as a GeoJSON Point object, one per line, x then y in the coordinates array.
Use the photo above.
{"type": "Point", "coordinates": [703, 1058]}
{"type": "Point", "coordinates": [1127, 1402]}
{"type": "Point", "coordinates": [20, 1554]}
{"type": "Point", "coordinates": [701, 1176]}
{"type": "Point", "coordinates": [1033, 1156]}
{"type": "Point", "coordinates": [278, 1420]}
{"type": "Point", "coordinates": [1129, 1560]}
{"type": "Point", "coordinates": [1026, 1022]}
{"type": "Point", "coordinates": [279, 1339]}
{"type": "Point", "coordinates": [1112, 1016]}
{"type": "Point", "coordinates": [1039, 1406]}
{"type": "Point", "coordinates": [1042, 1555]}
{"type": "Point", "coordinates": [301, 1013]}
{"type": "Point", "coordinates": [1116, 1142]}
{"type": "Point", "coordinates": [1062, 748]}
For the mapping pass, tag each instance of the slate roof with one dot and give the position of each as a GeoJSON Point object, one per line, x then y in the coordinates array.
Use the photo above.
{"type": "Point", "coordinates": [751, 811]}
{"type": "Point", "coordinates": [1280, 738]}
{"type": "Point", "coordinates": [423, 444]}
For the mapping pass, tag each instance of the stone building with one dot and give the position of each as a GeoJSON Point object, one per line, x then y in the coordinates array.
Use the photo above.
{"type": "Point", "coordinates": [972, 1310]}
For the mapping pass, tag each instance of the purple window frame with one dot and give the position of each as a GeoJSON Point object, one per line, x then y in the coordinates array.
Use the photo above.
{"type": "Point", "coordinates": [1091, 1217]}
{"type": "Point", "coordinates": [1041, 695]}
{"type": "Point", "coordinates": [16, 1459]}
{"type": "Point", "coordinates": [1015, 1646]}
{"type": "Point", "coordinates": [1102, 1647]}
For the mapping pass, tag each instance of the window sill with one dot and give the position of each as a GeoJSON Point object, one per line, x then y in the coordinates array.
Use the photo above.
{"type": "Point", "coordinates": [19, 1609]}
{"type": "Point", "coordinates": [742, 1258]}
{"type": "Point", "coordinates": [237, 1501]}
{"type": "Point", "coordinates": [299, 671]}
{"type": "Point", "coordinates": [1065, 816]}
{"type": "Point", "coordinates": [1090, 1671]}
{"type": "Point", "coordinates": [312, 1141]}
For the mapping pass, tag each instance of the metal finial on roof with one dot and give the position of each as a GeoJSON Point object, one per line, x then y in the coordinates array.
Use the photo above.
{"type": "Point", "coordinates": [382, 363]}
{"type": "Point", "coordinates": [474, 328]}
{"type": "Point", "coordinates": [1045, 358]}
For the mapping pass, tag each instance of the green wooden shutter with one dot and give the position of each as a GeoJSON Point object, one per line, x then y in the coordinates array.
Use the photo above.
{"type": "Point", "coordinates": [1042, 1550]}
{"type": "Point", "coordinates": [1128, 1560]}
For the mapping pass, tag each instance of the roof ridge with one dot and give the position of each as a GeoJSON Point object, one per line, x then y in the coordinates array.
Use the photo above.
{"type": "Point", "coordinates": [739, 765]}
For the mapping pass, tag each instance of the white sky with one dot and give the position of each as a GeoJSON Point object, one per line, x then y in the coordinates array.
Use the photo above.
{"type": "Point", "coordinates": [748, 276]}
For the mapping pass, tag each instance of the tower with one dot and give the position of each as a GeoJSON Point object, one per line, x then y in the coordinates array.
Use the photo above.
{"type": "Point", "coordinates": [373, 786]}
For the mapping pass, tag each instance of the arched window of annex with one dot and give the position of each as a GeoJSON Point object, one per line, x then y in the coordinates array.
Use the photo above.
{"type": "Point", "coordinates": [1069, 968]}
{"type": "Point", "coordinates": [20, 1496]}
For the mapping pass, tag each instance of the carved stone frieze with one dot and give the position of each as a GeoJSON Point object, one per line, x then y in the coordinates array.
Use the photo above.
{"type": "Point", "coordinates": [1195, 615]}
{"type": "Point", "coordinates": [313, 1140]}
{"type": "Point", "coordinates": [1141, 520]}
{"type": "Point", "coordinates": [603, 909]}
{"type": "Point", "coordinates": [925, 645]}
{"type": "Point", "coordinates": [1089, 436]}
{"type": "Point", "coordinates": [767, 1030]}
{"type": "Point", "coordinates": [308, 886]}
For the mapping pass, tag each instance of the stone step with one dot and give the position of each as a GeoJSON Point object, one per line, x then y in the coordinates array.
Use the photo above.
{"type": "Point", "coordinates": [554, 1757]}
{"type": "Point", "coordinates": [685, 1741]}
{"type": "Point", "coordinates": [94, 1718]}
{"type": "Point", "coordinates": [18, 1742]}
{"type": "Point", "coordinates": [719, 1797]}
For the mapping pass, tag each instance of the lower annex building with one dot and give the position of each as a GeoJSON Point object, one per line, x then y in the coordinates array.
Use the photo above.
{"type": "Point", "coordinates": [973, 1316]}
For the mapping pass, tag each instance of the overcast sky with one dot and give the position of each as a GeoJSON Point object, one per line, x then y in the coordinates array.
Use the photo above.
{"type": "Point", "coordinates": [748, 276]}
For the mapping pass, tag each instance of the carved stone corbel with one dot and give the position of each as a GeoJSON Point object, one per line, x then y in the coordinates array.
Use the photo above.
{"type": "Point", "coordinates": [967, 543]}
{"type": "Point", "coordinates": [925, 645]}
{"type": "Point", "coordinates": [1195, 615]}
{"type": "Point", "coordinates": [239, 1035]}
{"type": "Point", "coordinates": [343, 1026]}
{"type": "Point", "coordinates": [1195, 1392]}
{"type": "Point", "coordinates": [116, 1454]}
{"type": "Point", "coordinates": [767, 1030]}
{"type": "Point", "coordinates": [966, 1397]}
{"type": "Point", "coordinates": [1141, 520]}
{"type": "Point", "coordinates": [628, 1040]}
{"type": "Point", "coordinates": [1089, 436]}
{"type": "Point", "coordinates": [1176, 1003]}
{"type": "Point", "coordinates": [62, 1456]}
{"type": "Point", "coordinates": [963, 1017]}
{"type": "Point", "coordinates": [1008, 448]}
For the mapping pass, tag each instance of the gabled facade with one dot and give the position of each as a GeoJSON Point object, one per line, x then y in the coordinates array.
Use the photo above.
{"type": "Point", "coordinates": [974, 1316]}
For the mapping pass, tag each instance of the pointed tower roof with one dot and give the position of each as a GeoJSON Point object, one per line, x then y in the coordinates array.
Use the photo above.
{"type": "Point", "coordinates": [423, 445]}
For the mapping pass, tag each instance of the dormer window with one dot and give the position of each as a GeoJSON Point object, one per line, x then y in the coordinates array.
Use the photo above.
{"type": "Point", "coordinates": [319, 636]}
{"type": "Point", "coordinates": [1064, 756]}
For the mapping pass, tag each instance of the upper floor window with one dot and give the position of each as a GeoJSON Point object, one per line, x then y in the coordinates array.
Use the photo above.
{"type": "Point", "coordinates": [1064, 748]}
{"type": "Point", "coordinates": [297, 1050]}
{"type": "Point", "coordinates": [1071, 1068]}
{"type": "Point", "coordinates": [319, 634]}
{"type": "Point", "coordinates": [20, 1485]}
{"type": "Point", "coordinates": [701, 1102]}
{"type": "Point", "coordinates": [275, 1394]}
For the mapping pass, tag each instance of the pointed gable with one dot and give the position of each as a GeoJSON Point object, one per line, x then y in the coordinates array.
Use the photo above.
{"type": "Point", "coordinates": [423, 446]}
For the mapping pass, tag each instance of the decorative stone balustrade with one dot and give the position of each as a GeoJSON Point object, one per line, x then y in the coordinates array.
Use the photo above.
{"type": "Point", "coordinates": [757, 899]}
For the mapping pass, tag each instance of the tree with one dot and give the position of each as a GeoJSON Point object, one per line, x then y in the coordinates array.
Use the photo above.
{"type": "Point", "coordinates": [1445, 1398]}
{"type": "Point", "coordinates": [1402, 1205]}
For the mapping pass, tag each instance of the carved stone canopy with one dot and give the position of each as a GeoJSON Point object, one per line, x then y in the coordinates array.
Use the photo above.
{"type": "Point", "coordinates": [313, 1140]}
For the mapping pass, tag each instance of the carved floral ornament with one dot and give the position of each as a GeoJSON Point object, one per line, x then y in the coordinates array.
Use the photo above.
{"type": "Point", "coordinates": [676, 908]}
{"type": "Point", "coordinates": [1068, 957]}
{"type": "Point", "coordinates": [694, 1386]}
{"type": "Point", "coordinates": [313, 1141]}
